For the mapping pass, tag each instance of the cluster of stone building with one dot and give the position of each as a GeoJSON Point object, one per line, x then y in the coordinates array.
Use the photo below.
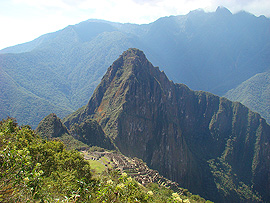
{"type": "Point", "coordinates": [135, 168]}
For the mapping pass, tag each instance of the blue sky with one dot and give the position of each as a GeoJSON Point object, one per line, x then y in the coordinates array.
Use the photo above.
{"type": "Point", "coordinates": [25, 20]}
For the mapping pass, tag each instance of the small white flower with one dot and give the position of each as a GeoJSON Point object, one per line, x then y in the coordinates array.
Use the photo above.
{"type": "Point", "coordinates": [186, 201]}
{"type": "Point", "coordinates": [120, 186]}
{"type": "Point", "coordinates": [26, 179]}
{"type": "Point", "coordinates": [178, 199]}
{"type": "Point", "coordinates": [150, 193]}
{"type": "Point", "coordinates": [110, 182]}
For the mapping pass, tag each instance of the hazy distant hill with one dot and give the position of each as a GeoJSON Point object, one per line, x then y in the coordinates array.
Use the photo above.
{"type": "Point", "coordinates": [208, 144]}
{"type": "Point", "coordinates": [63, 72]}
{"type": "Point", "coordinates": [17, 101]}
{"type": "Point", "coordinates": [207, 51]}
{"type": "Point", "coordinates": [254, 93]}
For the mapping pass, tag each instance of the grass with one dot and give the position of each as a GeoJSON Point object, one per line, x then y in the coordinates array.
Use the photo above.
{"type": "Point", "coordinates": [97, 166]}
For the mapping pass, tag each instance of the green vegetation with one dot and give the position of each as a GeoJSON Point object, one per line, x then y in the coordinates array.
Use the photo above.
{"type": "Point", "coordinates": [59, 76]}
{"type": "Point", "coordinates": [36, 170]}
{"type": "Point", "coordinates": [116, 187]}
{"type": "Point", "coordinates": [80, 136]}
{"type": "Point", "coordinates": [254, 93]}
{"type": "Point", "coordinates": [97, 166]}
{"type": "Point", "coordinates": [71, 143]}
{"type": "Point", "coordinates": [33, 169]}
{"type": "Point", "coordinates": [91, 133]}
{"type": "Point", "coordinates": [229, 184]}
{"type": "Point", "coordinates": [18, 101]}
{"type": "Point", "coordinates": [96, 149]}
{"type": "Point", "coordinates": [51, 127]}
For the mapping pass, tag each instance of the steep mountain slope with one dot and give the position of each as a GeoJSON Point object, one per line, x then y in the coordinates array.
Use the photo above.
{"type": "Point", "coordinates": [86, 134]}
{"type": "Point", "coordinates": [254, 93]}
{"type": "Point", "coordinates": [210, 145]}
{"type": "Point", "coordinates": [207, 51]}
{"type": "Point", "coordinates": [51, 127]}
{"type": "Point", "coordinates": [17, 101]}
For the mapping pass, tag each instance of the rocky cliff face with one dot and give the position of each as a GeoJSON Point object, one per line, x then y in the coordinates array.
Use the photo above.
{"type": "Point", "coordinates": [210, 145]}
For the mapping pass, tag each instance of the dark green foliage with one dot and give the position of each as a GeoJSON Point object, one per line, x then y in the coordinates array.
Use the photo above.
{"type": "Point", "coordinates": [18, 101]}
{"type": "Point", "coordinates": [80, 136]}
{"type": "Point", "coordinates": [96, 149]}
{"type": "Point", "coordinates": [117, 187]}
{"type": "Point", "coordinates": [74, 117]}
{"type": "Point", "coordinates": [36, 170]}
{"type": "Point", "coordinates": [72, 143]}
{"type": "Point", "coordinates": [230, 184]}
{"type": "Point", "coordinates": [51, 127]}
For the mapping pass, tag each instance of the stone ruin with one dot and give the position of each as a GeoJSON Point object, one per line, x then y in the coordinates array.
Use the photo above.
{"type": "Point", "coordinates": [135, 168]}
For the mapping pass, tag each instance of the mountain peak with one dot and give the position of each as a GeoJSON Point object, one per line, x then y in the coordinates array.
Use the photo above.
{"type": "Point", "coordinates": [188, 136]}
{"type": "Point", "coordinates": [130, 63]}
{"type": "Point", "coordinates": [132, 52]}
{"type": "Point", "coordinates": [223, 11]}
{"type": "Point", "coordinates": [51, 127]}
{"type": "Point", "coordinates": [132, 58]}
{"type": "Point", "coordinates": [131, 67]}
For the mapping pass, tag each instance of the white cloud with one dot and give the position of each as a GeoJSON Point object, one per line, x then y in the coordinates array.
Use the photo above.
{"type": "Point", "coordinates": [42, 4]}
{"type": "Point", "coordinates": [256, 7]}
{"type": "Point", "coordinates": [26, 30]}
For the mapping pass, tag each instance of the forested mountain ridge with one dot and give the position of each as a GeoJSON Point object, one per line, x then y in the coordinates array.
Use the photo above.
{"type": "Point", "coordinates": [79, 136]}
{"type": "Point", "coordinates": [210, 145]}
{"type": "Point", "coordinates": [63, 75]}
{"type": "Point", "coordinates": [207, 51]}
{"type": "Point", "coordinates": [254, 93]}
{"type": "Point", "coordinates": [18, 101]}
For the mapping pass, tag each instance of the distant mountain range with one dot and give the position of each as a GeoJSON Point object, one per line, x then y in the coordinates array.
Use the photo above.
{"type": "Point", "coordinates": [208, 144]}
{"type": "Point", "coordinates": [58, 72]}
